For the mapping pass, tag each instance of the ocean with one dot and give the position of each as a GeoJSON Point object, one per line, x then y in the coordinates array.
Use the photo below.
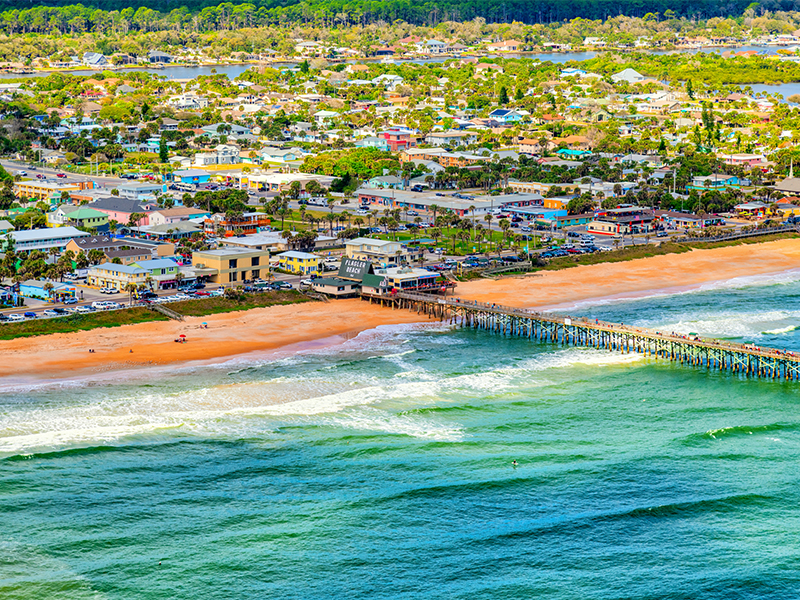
{"type": "Point", "coordinates": [381, 467]}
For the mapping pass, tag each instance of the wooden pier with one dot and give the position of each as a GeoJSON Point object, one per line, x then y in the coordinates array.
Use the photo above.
{"type": "Point", "coordinates": [754, 361]}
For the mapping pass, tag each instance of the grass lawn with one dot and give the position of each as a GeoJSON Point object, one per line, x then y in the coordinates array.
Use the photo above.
{"type": "Point", "coordinates": [462, 248]}
{"type": "Point", "coordinates": [115, 318]}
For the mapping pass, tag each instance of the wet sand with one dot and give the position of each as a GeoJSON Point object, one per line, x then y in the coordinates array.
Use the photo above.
{"type": "Point", "coordinates": [60, 356]}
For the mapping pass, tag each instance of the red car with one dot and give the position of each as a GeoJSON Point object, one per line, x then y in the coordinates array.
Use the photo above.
{"type": "Point", "coordinates": [202, 294]}
{"type": "Point", "coordinates": [61, 175]}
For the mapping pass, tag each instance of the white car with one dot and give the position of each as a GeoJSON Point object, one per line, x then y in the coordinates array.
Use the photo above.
{"type": "Point", "coordinates": [362, 211]}
{"type": "Point", "coordinates": [84, 310]}
{"type": "Point", "coordinates": [307, 282]}
{"type": "Point", "coordinates": [49, 313]}
{"type": "Point", "coordinates": [16, 317]}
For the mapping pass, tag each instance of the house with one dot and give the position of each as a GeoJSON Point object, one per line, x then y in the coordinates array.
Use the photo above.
{"type": "Point", "coordinates": [154, 56]}
{"type": "Point", "coordinates": [231, 265]}
{"type": "Point", "coordinates": [141, 191]}
{"type": "Point", "coordinates": [94, 59]}
{"type": "Point", "coordinates": [505, 46]}
{"type": "Point", "coordinates": [175, 215]}
{"type": "Point", "coordinates": [505, 116]}
{"type": "Point", "coordinates": [78, 216]}
{"type": "Point", "coordinates": [373, 142]}
{"type": "Point", "coordinates": [163, 272]}
{"type": "Point", "coordinates": [385, 182]}
{"type": "Point", "coordinates": [118, 277]}
{"type": "Point", "coordinates": [121, 209]}
{"type": "Point", "coordinates": [451, 138]}
{"type": "Point", "coordinates": [302, 263]}
{"type": "Point", "coordinates": [629, 76]}
{"type": "Point", "coordinates": [432, 47]}
{"type": "Point", "coordinates": [5, 227]}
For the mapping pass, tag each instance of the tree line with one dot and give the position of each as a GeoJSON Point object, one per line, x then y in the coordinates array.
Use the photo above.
{"type": "Point", "coordinates": [107, 16]}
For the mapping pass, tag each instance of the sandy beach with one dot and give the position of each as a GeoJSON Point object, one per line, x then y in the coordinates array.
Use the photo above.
{"type": "Point", "coordinates": [150, 344]}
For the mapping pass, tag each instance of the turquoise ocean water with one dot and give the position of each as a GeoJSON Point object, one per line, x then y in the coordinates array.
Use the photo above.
{"type": "Point", "coordinates": [381, 468]}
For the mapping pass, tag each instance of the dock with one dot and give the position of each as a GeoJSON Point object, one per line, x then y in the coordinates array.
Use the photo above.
{"type": "Point", "coordinates": [696, 351]}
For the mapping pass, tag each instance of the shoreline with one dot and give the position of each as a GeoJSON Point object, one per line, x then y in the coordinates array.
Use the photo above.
{"type": "Point", "coordinates": [300, 327]}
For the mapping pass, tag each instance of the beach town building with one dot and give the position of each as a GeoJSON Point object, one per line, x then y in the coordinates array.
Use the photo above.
{"type": "Point", "coordinates": [141, 191]}
{"type": "Point", "coordinates": [121, 209]}
{"type": "Point", "coordinates": [174, 215]}
{"type": "Point", "coordinates": [248, 223]}
{"type": "Point", "coordinates": [404, 279]}
{"type": "Point", "coordinates": [35, 288]}
{"type": "Point", "coordinates": [381, 252]}
{"type": "Point", "coordinates": [118, 277]}
{"type": "Point", "coordinates": [423, 201]}
{"type": "Point", "coordinates": [622, 221]}
{"type": "Point", "coordinates": [163, 272]}
{"type": "Point", "coordinates": [49, 191]}
{"type": "Point", "coordinates": [230, 265]}
{"type": "Point", "coordinates": [302, 263]}
{"type": "Point", "coordinates": [44, 239]}
{"type": "Point", "coordinates": [78, 216]}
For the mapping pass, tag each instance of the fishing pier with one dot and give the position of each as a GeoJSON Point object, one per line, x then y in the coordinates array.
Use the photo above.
{"type": "Point", "coordinates": [753, 361]}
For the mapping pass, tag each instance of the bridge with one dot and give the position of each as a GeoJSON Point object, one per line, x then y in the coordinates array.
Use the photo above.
{"type": "Point", "coordinates": [747, 359]}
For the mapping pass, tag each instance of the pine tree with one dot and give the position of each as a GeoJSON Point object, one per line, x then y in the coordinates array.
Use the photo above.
{"type": "Point", "coordinates": [502, 99]}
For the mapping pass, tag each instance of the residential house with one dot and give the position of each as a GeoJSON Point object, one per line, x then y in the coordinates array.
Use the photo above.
{"type": "Point", "coordinates": [121, 209]}
{"type": "Point", "coordinates": [141, 191]}
{"type": "Point", "coordinates": [451, 138]}
{"type": "Point", "coordinates": [78, 216]}
{"type": "Point", "coordinates": [505, 46]}
{"type": "Point", "coordinates": [94, 59]}
{"type": "Point", "coordinates": [175, 215]}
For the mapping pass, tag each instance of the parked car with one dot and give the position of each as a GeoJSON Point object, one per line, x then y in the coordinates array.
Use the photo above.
{"type": "Point", "coordinates": [64, 175]}
{"type": "Point", "coordinates": [30, 314]}
{"type": "Point", "coordinates": [662, 233]}
{"type": "Point", "coordinates": [70, 300]}
{"type": "Point", "coordinates": [60, 311]}
{"type": "Point", "coordinates": [50, 313]}
{"type": "Point", "coordinates": [283, 285]}
{"type": "Point", "coordinates": [23, 173]}
{"type": "Point", "coordinates": [85, 309]}
{"type": "Point", "coordinates": [16, 317]}
{"type": "Point", "coordinates": [3, 318]}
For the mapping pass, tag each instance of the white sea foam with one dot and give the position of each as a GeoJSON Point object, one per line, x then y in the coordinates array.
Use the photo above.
{"type": "Point", "coordinates": [782, 278]}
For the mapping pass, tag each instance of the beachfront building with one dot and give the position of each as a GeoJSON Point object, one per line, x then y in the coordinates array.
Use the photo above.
{"type": "Point", "coordinates": [622, 221]}
{"type": "Point", "coordinates": [163, 272]}
{"type": "Point", "coordinates": [110, 275]}
{"type": "Point", "coordinates": [381, 252]}
{"type": "Point", "coordinates": [46, 290]}
{"type": "Point", "coordinates": [174, 215]}
{"type": "Point", "coordinates": [302, 263]}
{"type": "Point", "coordinates": [403, 279]}
{"type": "Point", "coordinates": [231, 265]}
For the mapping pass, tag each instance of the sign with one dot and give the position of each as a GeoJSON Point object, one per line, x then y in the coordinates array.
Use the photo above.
{"type": "Point", "coordinates": [354, 269]}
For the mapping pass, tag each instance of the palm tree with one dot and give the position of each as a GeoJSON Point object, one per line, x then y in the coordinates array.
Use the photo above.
{"type": "Point", "coordinates": [48, 288]}
{"type": "Point", "coordinates": [434, 208]}
{"type": "Point", "coordinates": [130, 287]}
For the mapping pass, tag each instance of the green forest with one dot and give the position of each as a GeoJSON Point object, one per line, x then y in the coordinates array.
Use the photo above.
{"type": "Point", "coordinates": [205, 15]}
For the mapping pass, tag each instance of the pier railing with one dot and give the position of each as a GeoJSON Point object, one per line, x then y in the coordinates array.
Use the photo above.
{"type": "Point", "coordinates": [691, 349]}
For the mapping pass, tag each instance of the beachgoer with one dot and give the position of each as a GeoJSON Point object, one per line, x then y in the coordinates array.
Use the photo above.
{"type": "Point", "coordinates": [514, 463]}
